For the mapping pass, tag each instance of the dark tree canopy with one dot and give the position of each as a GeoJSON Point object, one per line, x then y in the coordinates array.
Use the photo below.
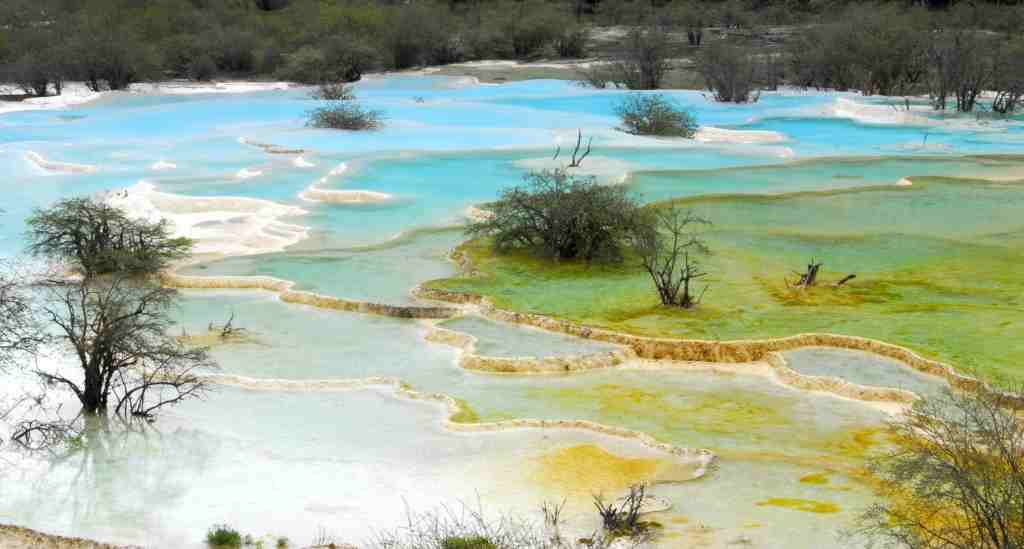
{"type": "Point", "coordinates": [562, 216]}
{"type": "Point", "coordinates": [97, 238]}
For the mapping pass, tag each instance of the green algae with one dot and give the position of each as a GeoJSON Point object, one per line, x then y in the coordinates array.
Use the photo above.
{"type": "Point", "coordinates": [936, 258]}
{"type": "Point", "coordinates": [466, 413]}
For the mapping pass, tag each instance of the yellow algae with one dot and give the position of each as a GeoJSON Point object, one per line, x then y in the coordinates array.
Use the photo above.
{"type": "Point", "coordinates": [679, 519]}
{"type": "Point", "coordinates": [587, 469]}
{"type": "Point", "coordinates": [816, 478]}
{"type": "Point", "coordinates": [803, 505]}
{"type": "Point", "coordinates": [711, 413]}
{"type": "Point", "coordinates": [466, 413]}
{"type": "Point", "coordinates": [752, 525]}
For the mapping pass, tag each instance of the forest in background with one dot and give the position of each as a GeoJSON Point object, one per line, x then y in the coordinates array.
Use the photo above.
{"type": "Point", "coordinates": [952, 51]}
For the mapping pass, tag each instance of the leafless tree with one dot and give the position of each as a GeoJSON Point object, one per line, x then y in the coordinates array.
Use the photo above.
{"type": "Point", "coordinates": [645, 59]}
{"type": "Point", "coordinates": [128, 364]}
{"type": "Point", "coordinates": [730, 72]}
{"type": "Point", "coordinates": [20, 333]}
{"type": "Point", "coordinates": [962, 68]}
{"type": "Point", "coordinates": [668, 247]}
{"type": "Point", "coordinates": [577, 158]}
{"type": "Point", "coordinates": [955, 480]}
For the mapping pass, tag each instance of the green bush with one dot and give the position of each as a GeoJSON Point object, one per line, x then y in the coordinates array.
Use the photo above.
{"type": "Point", "coordinates": [345, 115]}
{"type": "Point", "coordinates": [645, 114]}
{"type": "Point", "coordinates": [562, 217]}
{"type": "Point", "coordinates": [468, 542]}
{"type": "Point", "coordinates": [223, 536]}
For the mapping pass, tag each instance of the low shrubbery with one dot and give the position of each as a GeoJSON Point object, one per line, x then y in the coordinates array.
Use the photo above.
{"type": "Point", "coordinates": [561, 216]}
{"type": "Point", "coordinates": [345, 115]}
{"type": "Point", "coordinates": [644, 114]}
{"type": "Point", "coordinates": [223, 536]}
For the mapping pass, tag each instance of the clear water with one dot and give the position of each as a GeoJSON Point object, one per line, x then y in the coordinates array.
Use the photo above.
{"type": "Point", "coordinates": [863, 369]}
{"type": "Point", "coordinates": [288, 462]}
{"type": "Point", "coordinates": [510, 340]}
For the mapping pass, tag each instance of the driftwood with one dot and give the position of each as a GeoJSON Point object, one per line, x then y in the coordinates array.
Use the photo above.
{"type": "Point", "coordinates": [808, 278]}
{"type": "Point", "coordinates": [844, 280]}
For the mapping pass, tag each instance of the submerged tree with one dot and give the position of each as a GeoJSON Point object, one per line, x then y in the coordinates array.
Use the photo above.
{"type": "Point", "coordinates": [956, 479]}
{"type": "Point", "coordinates": [97, 238]}
{"type": "Point", "coordinates": [562, 216]}
{"type": "Point", "coordinates": [20, 334]}
{"type": "Point", "coordinates": [117, 328]}
{"type": "Point", "coordinates": [669, 248]}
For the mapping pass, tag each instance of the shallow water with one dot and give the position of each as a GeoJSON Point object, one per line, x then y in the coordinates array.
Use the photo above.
{"type": "Point", "coordinates": [509, 340]}
{"type": "Point", "coordinates": [282, 462]}
{"type": "Point", "coordinates": [864, 369]}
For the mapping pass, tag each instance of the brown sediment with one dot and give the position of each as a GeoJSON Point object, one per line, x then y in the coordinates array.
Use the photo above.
{"type": "Point", "coordinates": [283, 288]}
{"type": "Point", "coordinates": [16, 537]}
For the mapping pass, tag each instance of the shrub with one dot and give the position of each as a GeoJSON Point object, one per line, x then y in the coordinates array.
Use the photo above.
{"type": "Point", "coordinates": [222, 535]}
{"type": "Point", "coordinates": [346, 115]}
{"type": "Point", "coordinates": [333, 91]}
{"type": "Point", "coordinates": [729, 72]}
{"type": "Point", "coordinates": [467, 542]}
{"type": "Point", "coordinates": [561, 216]}
{"type": "Point", "coordinates": [644, 114]}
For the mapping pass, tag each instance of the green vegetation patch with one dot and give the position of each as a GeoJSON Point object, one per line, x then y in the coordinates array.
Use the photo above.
{"type": "Point", "coordinates": [937, 265]}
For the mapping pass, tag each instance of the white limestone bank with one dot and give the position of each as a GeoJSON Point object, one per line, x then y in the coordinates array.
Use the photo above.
{"type": "Point", "coordinates": [219, 225]}
{"type": "Point", "coordinates": [52, 166]}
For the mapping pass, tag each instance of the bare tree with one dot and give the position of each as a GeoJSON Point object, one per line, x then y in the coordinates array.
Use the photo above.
{"type": "Point", "coordinates": [730, 72]}
{"type": "Point", "coordinates": [20, 333]}
{"type": "Point", "coordinates": [577, 158]}
{"type": "Point", "coordinates": [668, 248]}
{"type": "Point", "coordinates": [956, 480]}
{"type": "Point", "coordinates": [645, 59]}
{"type": "Point", "coordinates": [117, 329]}
{"type": "Point", "coordinates": [962, 68]}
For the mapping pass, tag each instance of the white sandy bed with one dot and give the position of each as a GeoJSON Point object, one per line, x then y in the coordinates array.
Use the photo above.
{"type": "Point", "coordinates": [74, 93]}
{"type": "Point", "coordinates": [219, 225]}
{"type": "Point", "coordinates": [57, 167]}
{"type": "Point", "coordinates": [711, 134]}
{"type": "Point", "coordinates": [195, 88]}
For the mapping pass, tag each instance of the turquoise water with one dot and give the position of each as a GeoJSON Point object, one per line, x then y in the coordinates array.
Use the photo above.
{"type": "Point", "coordinates": [285, 462]}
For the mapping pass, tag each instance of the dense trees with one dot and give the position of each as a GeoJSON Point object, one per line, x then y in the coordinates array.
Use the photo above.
{"type": "Point", "coordinates": [561, 216]}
